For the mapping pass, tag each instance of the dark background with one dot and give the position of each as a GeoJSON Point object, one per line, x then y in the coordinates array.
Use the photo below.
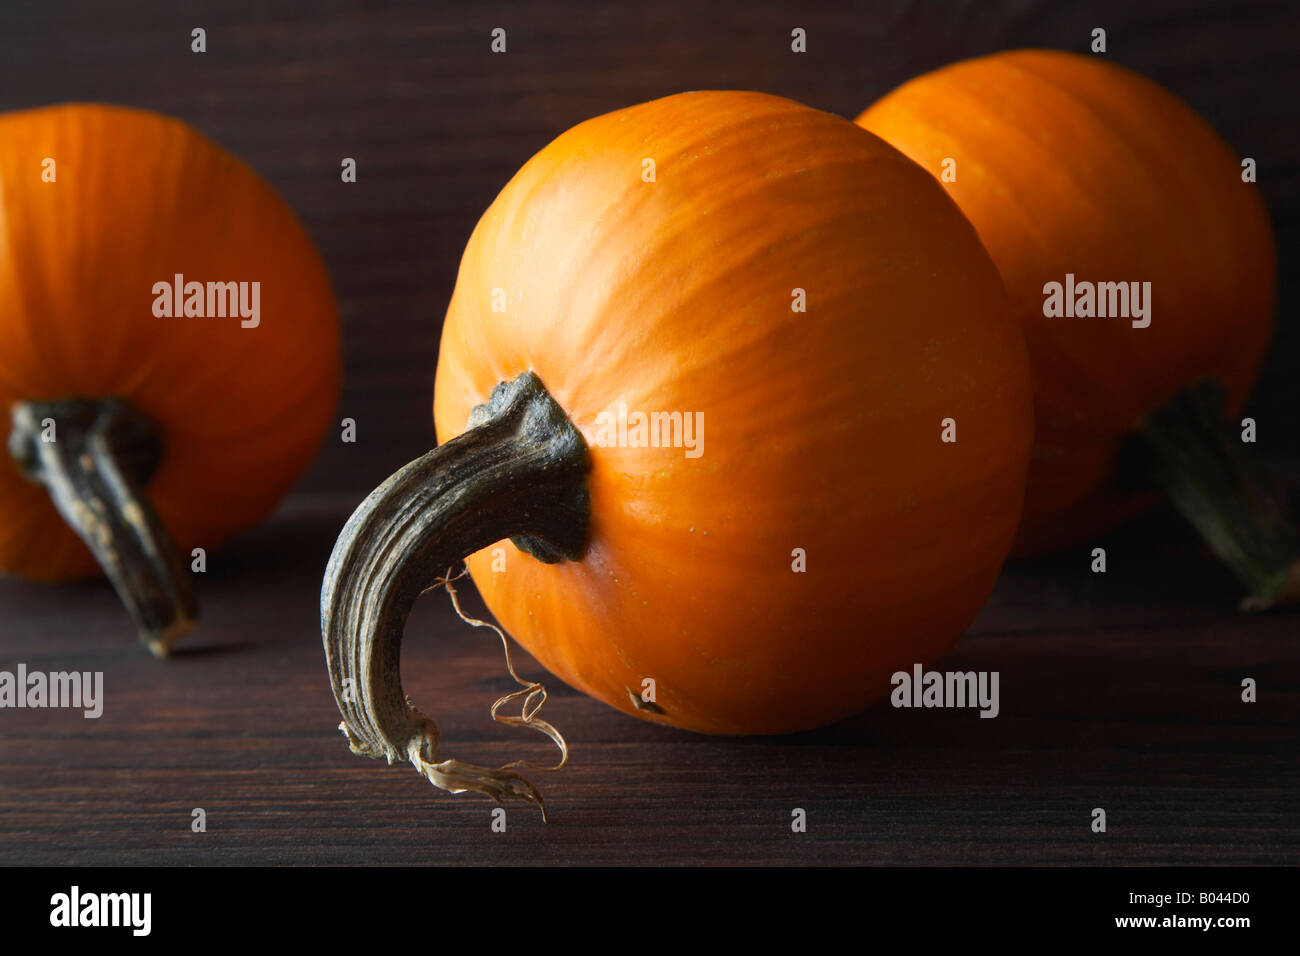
{"type": "Point", "coordinates": [1119, 691]}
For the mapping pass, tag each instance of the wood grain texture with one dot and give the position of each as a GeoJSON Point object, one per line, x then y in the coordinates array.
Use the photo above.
{"type": "Point", "coordinates": [1119, 691]}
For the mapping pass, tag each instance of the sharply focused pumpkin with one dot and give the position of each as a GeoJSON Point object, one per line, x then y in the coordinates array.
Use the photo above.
{"type": "Point", "coordinates": [799, 313]}
{"type": "Point", "coordinates": [1078, 172]}
{"type": "Point", "coordinates": [165, 327]}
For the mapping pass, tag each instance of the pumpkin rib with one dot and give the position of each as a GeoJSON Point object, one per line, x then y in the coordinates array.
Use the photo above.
{"type": "Point", "coordinates": [1109, 113]}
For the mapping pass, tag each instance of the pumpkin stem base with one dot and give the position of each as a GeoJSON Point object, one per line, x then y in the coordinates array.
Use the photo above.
{"type": "Point", "coordinates": [1188, 450]}
{"type": "Point", "coordinates": [95, 457]}
{"type": "Point", "coordinates": [519, 472]}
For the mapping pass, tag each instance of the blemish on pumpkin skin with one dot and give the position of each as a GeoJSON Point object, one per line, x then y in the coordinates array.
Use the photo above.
{"type": "Point", "coordinates": [649, 707]}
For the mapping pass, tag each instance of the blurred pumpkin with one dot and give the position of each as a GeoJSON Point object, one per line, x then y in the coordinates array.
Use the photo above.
{"type": "Point", "coordinates": [1073, 169]}
{"type": "Point", "coordinates": [169, 351]}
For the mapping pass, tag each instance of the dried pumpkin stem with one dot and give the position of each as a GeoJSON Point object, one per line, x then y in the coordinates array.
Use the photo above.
{"type": "Point", "coordinates": [95, 457]}
{"type": "Point", "coordinates": [1195, 456]}
{"type": "Point", "coordinates": [518, 472]}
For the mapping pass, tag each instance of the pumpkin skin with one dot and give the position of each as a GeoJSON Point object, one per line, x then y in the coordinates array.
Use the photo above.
{"type": "Point", "coordinates": [1068, 164]}
{"type": "Point", "coordinates": [821, 428]}
{"type": "Point", "coordinates": [137, 198]}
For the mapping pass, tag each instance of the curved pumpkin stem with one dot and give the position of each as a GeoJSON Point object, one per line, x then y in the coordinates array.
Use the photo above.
{"type": "Point", "coordinates": [95, 456]}
{"type": "Point", "coordinates": [1189, 451]}
{"type": "Point", "coordinates": [518, 472]}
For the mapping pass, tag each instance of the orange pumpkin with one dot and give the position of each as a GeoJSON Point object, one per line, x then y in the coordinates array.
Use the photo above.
{"type": "Point", "coordinates": [171, 431]}
{"type": "Point", "coordinates": [1074, 170]}
{"type": "Point", "coordinates": [813, 306]}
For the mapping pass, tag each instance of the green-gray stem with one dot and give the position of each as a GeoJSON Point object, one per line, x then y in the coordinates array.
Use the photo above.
{"type": "Point", "coordinates": [518, 472]}
{"type": "Point", "coordinates": [1195, 456]}
{"type": "Point", "coordinates": [95, 462]}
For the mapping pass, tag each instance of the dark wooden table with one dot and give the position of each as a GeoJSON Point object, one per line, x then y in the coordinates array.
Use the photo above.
{"type": "Point", "coordinates": [1118, 690]}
